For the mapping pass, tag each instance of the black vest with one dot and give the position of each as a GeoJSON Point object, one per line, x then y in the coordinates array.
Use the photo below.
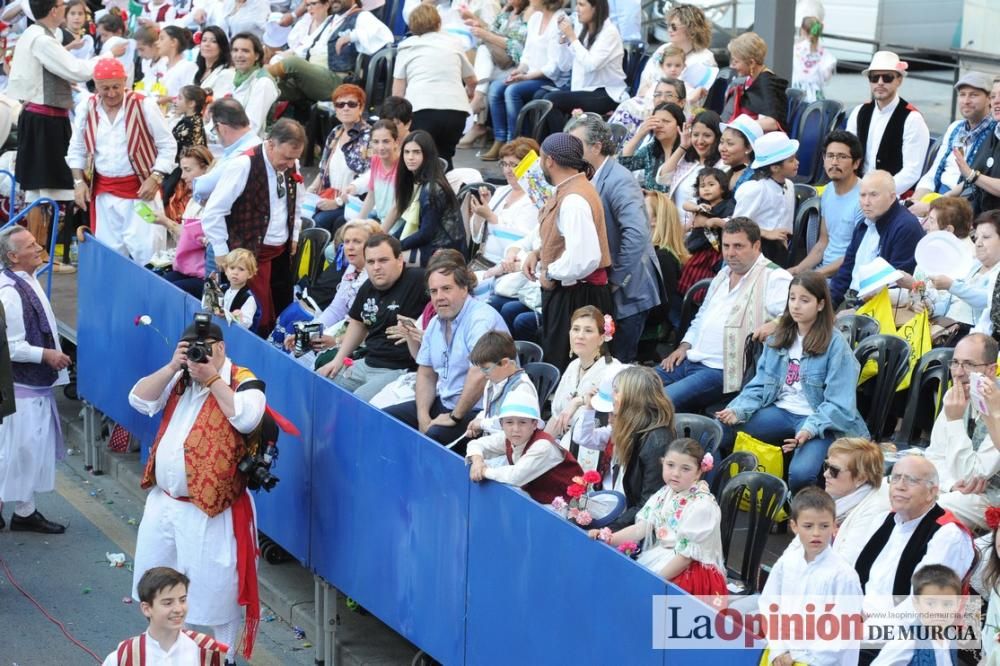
{"type": "Point", "coordinates": [889, 156]}
{"type": "Point", "coordinates": [348, 56]}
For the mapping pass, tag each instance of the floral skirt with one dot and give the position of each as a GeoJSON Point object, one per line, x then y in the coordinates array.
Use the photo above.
{"type": "Point", "coordinates": [703, 581]}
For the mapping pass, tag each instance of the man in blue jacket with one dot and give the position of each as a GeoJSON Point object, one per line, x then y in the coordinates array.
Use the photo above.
{"type": "Point", "coordinates": [889, 231]}
{"type": "Point", "coordinates": [634, 274]}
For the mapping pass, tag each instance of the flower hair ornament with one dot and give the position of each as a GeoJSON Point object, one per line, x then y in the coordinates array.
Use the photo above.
{"type": "Point", "coordinates": [609, 328]}
{"type": "Point", "coordinates": [707, 463]}
{"type": "Point", "coordinates": [993, 517]}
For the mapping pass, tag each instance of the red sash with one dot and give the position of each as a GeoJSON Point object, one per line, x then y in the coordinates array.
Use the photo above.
{"type": "Point", "coordinates": [124, 187]}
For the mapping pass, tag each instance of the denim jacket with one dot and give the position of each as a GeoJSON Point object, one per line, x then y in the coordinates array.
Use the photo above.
{"type": "Point", "coordinates": [830, 383]}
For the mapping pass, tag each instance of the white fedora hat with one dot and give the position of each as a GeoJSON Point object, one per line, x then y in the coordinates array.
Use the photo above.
{"type": "Point", "coordinates": [886, 61]}
{"type": "Point", "coordinates": [746, 126]}
{"type": "Point", "coordinates": [772, 148]}
{"type": "Point", "coordinates": [876, 274]}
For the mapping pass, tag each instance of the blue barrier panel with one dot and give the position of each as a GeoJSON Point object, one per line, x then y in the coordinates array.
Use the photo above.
{"type": "Point", "coordinates": [113, 353]}
{"type": "Point", "coordinates": [390, 521]}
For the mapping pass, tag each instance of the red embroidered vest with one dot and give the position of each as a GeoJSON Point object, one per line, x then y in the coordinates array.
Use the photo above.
{"type": "Point", "coordinates": [554, 482]}
{"type": "Point", "coordinates": [250, 214]}
{"type": "Point", "coordinates": [211, 452]}
{"type": "Point", "coordinates": [132, 652]}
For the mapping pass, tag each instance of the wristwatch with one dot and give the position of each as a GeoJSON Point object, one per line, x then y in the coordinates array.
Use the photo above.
{"type": "Point", "coordinates": [157, 176]}
{"type": "Point", "coordinates": [78, 181]}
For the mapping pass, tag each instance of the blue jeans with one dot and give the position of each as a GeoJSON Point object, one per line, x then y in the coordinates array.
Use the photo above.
{"type": "Point", "coordinates": [691, 386]}
{"type": "Point", "coordinates": [625, 345]}
{"type": "Point", "coordinates": [331, 220]}
{"type": "Point", "coordinates": [506, 102]}
{"type": "Point", "coordinates": [522, 322]}
{"type": "Point", "coordinates": [773, 425]}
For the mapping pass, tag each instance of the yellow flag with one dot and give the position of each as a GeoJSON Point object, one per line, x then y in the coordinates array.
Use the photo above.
{"type": "Point", "coordinates": [917, 332]}
{"type": "Point", "coordinates": [878, 308]}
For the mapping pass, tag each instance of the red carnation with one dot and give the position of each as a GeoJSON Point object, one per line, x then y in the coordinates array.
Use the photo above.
{"type": "Point", "coordinates": [575, 490]}
{"type": "Point", "coordinates": [591, 476]}
{"type": "Point", "coordinates": [993, 517]}
{"type": "Point", "coordinates": [297, 177]}
{"type": "Point", "coordinates": [196, 38]}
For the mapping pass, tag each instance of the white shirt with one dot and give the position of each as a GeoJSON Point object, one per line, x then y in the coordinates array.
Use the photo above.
{"type": "Point", "coordinates": [866, 253]}
{"type": "Point", "coordinates": [951, 174]}
{"type": "Point", "coordinates": [302, 35]}
{"type": "Point", "coordinates": [916, 139]}
{"type": "Point", "coordinates": [542, 50]}
{"type": "Point", "coordinates": [247, 310]}
{"type": "Point", "coordinates": [769, 204]}
{"type": "Point", "coordinates": [20, 350]}
{"type": "Point", "coordinates": [183, 652]}
{"type": "Point", "coordinates": [257, 95]}
{"type": "Point", "coordinates": [582, 256]}
{"type": "Point", "coordinates": [110, 141]}
{"type": "Point", "coordinates": [36, 46]}
{"type": "Point", "coordinates": [171, 472]}
{"type": "Point", "coordinates": [949, 546]}
{"type": "Point", "coordinates": [180, 75]}
{"type": "Point", "coordinates": [791, 397]}
{"type": "Point", "coordinates": [706, 331]}
{"type": "Point", "coordinates": [527, 467]}
{"type": "Point", "coordinates": [600, 66]}
{"type": "Point", "coordinates": [951, 451]}
{"type": "Point", "coordinates": [434, 66]}
{"type": "Point", "coordinates": [233, 176]}
{"type": "Point", "coordinates": [827, 579]}
{"type": "Point", "coordinates": [250, 17]}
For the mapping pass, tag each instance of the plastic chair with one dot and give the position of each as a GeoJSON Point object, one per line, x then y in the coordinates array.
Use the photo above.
{"type": "Point", "coordinates": [804, 192]}
{"type": "Point", "coordinates": [704, 430]}
{"type": "Point", "coordinates": [633, 62]}
{"type": "Point", "coordinates": [810, 132]}
{"type": "Point", "coordinates": [691, 304]}
{"type": "Point", "coordinates": [856, 328]}
{"type": "Point", "coordinates": [875, 396]}
{"type": "Point", "coordinates": [308, 260]}
{"type": "Point", "coordinates": [744, 461]}
{"type": "Point", "coordinates": [752, 351]}
{"type": "Point", "coordinates": [528, 352]}
{"type": "Point", "coordinates": [932, 148]}
{"type": "Point", "coordinates": [805, 228]}
{"type": "Point", "coordinates": [767, 494]}
{"type": "Point", "coordinates": [545, 377]}
{"type": "Point", "coordinates": [618, 133]}
{"type": "Point", "coordinates": [927, 388]}
{"type": "Point", "coordinates": [321, 122]}
{"type": "Point", "coordinates": [796, 99]}
{"type": "Point", "coordinates": [531, 119]}
{"type": "Point", "coordinates": [464, 194]}
{"type": "Point", "coordinates": [378, 82]}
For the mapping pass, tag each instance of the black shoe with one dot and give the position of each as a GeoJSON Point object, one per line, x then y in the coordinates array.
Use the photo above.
{"type": "Point", "coordinates": [3, 523]}
{"type": "Point", "coordinates": [35, 523]}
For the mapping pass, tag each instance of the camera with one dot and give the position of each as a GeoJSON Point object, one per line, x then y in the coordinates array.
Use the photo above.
{"type": "Point", "coordinates": [200, 350]}
{"type": "Point", "coordinates": [305, 333]}
{"type": "Point", "coordinates": [257, 469]}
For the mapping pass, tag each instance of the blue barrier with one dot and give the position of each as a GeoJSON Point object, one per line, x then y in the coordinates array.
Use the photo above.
{"type": "Point", "coordinates": [53, 229]}
{"type": "Point", "coordinates": [471, 573]}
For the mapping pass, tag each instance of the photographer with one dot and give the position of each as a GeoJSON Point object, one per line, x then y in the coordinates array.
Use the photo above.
{"type": "Point", "coordinates": [199, 519]}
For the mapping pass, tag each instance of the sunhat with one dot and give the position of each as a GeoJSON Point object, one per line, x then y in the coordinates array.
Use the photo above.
{"type": "Point", "coordinates": [772, 148]}
{"type": "Point", "coordinates": [746, 126]}
{"type": "Point", "coordinates": [876, 274]}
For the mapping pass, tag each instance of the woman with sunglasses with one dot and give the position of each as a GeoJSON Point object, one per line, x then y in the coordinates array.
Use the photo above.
{"type": "Point", "coordinates": [345, 157]}
{"type": "Point", "coordinates": [803, 395]}
{"type": "Point", "coordinates": [690, 30]}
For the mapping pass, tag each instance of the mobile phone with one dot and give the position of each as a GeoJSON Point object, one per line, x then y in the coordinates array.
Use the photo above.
{"type": "Point", "coordinates": [143, 210]}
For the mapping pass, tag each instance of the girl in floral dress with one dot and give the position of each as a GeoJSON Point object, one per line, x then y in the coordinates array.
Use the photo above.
{"type": "Point", "coordinates": [679, 525]}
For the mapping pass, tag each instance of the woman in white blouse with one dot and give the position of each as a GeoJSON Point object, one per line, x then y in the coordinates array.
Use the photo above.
{"type": "Point", "coordinates": [691, 32]}
{"type": "Point", "coordinates": [213, 57]}
{"type": "Point", "coordinates": [699, 147]}
{"type": "Point", "coordinates": [597, 82]}
{"type": "Point", "coordinates": [177, 71]}
{"type": "Point", "coordinates": [248, 82]}
{"type": "Point", "coordinates": [589, 335]}
{"type": "Point", "coordinates": [245, 16]}
{"type": "Point", "coordinates": [307, 28]}
{"type": "Point", "coordinates": [430, 70]}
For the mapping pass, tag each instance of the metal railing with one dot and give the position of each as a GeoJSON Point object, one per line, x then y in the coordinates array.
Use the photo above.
{"type": "Point", "coordinates": [53, 233]}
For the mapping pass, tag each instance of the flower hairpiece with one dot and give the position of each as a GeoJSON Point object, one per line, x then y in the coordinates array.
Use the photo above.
{"type": "Point", "coordinates": [609, 328]}
{"type": "Point", "coordinates": [707, 463]}
{"type": "Point", "coordinates": [993, 517]}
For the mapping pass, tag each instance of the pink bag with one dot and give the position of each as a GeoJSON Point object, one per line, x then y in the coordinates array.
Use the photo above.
{"type": "Point", "coordinates": [190, 257]}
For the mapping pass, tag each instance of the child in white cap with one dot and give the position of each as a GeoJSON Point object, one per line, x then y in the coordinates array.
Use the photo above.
{"type": "Point", "coordinates": [769, 199]}
{"type": "Point", "coordinates": [534, 461]}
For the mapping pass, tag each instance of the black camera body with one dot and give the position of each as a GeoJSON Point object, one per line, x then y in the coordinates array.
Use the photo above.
{"type": "Point", "coordinates": [200, 350]}
{"type": "Point", "coordinates": [305, 333]}
{"type": "Point", "coordinates": [262, 447]}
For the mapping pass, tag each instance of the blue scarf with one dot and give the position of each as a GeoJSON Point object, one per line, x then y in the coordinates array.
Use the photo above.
{"type": "Point", "coordinates": [962, 135]}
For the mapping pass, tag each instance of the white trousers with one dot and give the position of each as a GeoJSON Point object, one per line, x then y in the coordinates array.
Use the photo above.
{"type": "Point", "coordinates": [120, 228]}
{"type": "Point", "coordinates": [179, 535]}
{"type": "Point", "coordinates": [28, 441]}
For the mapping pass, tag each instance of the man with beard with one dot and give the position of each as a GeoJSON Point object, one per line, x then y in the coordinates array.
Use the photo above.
{"type": "Point", "coordinates": [839, 206]}
{"type": "Point", "coordinates": [571, 274]}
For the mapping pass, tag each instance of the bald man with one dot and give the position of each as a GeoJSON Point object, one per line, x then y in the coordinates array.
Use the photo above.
{"type": "Point", "coordinates": [888, 230]}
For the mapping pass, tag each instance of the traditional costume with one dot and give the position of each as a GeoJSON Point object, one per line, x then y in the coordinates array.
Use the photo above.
{"type": "Point", "coordinates": [117, 175]}
{"type": "Point", "coordinates": [31, 439]}
{"type": "Point", "coordinates": [199, 518]}
{"type": "Point", "coordinates": [191, 647]}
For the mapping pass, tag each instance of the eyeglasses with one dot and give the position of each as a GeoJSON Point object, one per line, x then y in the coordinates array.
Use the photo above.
{"type": "Point", "coordinates": [884, 77]}
{"type": "Point", "coordinates": [509, 165]}
{"type": "Point", "coordinates": [839, 157]}
{"type": "Point", "coordinates": [487, 369]}
{"type": "Point", "coordinates": [965, 365]}
{"type": "Point", "coordinates": [348, 104]}
{"type": "Point", "coordinates": [905, 480]}
{"type": "Point", "coordinates": [674, 27]}
{"type": "Point", "coordinates": [280, 178]}
{"type": "Point", "coordinates": [832, 469]}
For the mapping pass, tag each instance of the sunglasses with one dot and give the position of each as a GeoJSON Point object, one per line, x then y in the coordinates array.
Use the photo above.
{"type": "Point", "coordinates": [832, 469]}
{"type": "Point", "coordinates": [348, 104]}
{"type": "Point", "coordinates": [875, 77]}
{"type": "Point", "coordinates": [674, 27]}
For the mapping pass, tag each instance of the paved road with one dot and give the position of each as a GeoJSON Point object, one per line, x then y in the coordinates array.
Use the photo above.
{"type": "Point", "coordinates": [69, 577]}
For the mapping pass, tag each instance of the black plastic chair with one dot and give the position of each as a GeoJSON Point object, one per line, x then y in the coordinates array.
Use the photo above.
{"type": "Point", "coordinates": [704, 430]}
{"type": "Point", "coordinates": [875, 397]}
{"type": "Point", "coordinates": [766, 495]}
{"type": "Point", "coordinates": [804, 192]}
{"type": "Point", "coordinates": [321, 122]}
{"type": "Point", "coordinates": [618, 134]}
{"type": "Point", "coordinates": [932, 148]}
{"type": "Point", "coordinates": [531, 119]}
{"type": "Point", "coordinates": [378, 80]}
{"type": "Point", "coordinates": [528, 352]}
{"type": "Point", "coordinates": [464, 193]}
{"type": "Point", "coordinates": [752, 351]}
{"type": "Point", "coordinates": [545, 377]}
{"type": "Point", "coordinates": [856, 328]}
{"type": "Point", "coordinates": [693, 299]}
{"type": "Point", "coordinates": [795, 99]}
{"type": "Point", "coordinates": [805, 229]}
{"type": "Point", "coordinates": [927, 389]}
{"type": "Point", "coordinates": [744, 462]}
{"type": "Point", "coordinates": [314, 241]}
{"type": "Point", "coordinates": [633, 61]}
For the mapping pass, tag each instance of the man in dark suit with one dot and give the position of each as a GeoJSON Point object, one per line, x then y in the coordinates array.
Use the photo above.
{"type": "Point", "coordinates": [634, 275]}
